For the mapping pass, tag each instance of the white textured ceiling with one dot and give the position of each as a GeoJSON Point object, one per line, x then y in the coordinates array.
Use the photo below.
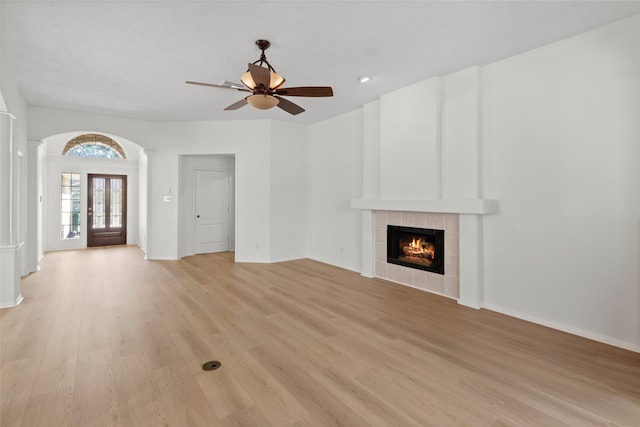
{"type": "Point", "coordinates": [130, 59]}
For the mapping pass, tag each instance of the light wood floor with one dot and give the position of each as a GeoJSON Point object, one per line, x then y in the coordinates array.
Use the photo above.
{"type": "Point", "coordinates": [106, 338]}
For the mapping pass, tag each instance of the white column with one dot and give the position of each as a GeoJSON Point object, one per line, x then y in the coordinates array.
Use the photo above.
{"type": "Point", "coordinates": [368, 244]}
{"type": "Point", "coordinates": [6, 179]}
{"type": "Point", "coordinates": [370, 183]}
{"type": "Point", "coordinates": [10, 253]}
{"type": "Point", "coordinates": [33, 204]}
{"type": "Point", "coordinates": [471, 274]}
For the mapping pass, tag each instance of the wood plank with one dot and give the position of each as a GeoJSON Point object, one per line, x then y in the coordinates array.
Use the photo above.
{"type": "Point", "coordinates": [301, 344]}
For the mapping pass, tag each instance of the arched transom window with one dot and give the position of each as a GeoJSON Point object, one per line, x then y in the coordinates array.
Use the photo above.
{"type": "Point", "coordinates": [94, 145]}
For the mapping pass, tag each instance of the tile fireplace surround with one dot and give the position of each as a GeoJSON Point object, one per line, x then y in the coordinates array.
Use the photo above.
{"type": "Point", "coordinates": [447, 284]}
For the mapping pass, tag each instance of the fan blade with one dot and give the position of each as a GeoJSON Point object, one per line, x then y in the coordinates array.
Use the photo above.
{"type": "Point", "coordinates": [289, 106]}
{"type": "Point", "coordinates": [260, 75]}
{"type": "Point", "coordinates": [232, 85]}
{"type": "Point", "coordinates": [242, 89]}
{"type": "Point", "coordinates": [316, 91]}
{"type": "Point", "coordinates": [237, 105]}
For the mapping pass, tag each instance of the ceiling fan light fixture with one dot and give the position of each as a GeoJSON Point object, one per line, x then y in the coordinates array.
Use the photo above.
{"type": "Point", "coordinates": [265, 86]}
{"type": "Point", "coordinates": [263, 101]}
{"type": "Point", "coordinates": [248, 81]}
{"type": "Point", "coordinates": [276, 80]}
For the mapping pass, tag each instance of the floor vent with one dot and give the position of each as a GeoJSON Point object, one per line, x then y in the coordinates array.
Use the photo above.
{"type": "Point", "coordinates": [212, 365]}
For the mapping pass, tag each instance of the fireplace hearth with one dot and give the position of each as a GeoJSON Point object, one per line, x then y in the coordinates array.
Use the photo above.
{"type": "Point", "coordinates": [420, 248]}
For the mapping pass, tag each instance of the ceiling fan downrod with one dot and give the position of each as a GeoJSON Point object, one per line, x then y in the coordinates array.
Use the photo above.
{"type": "Point", "coordinates": [263, 45]}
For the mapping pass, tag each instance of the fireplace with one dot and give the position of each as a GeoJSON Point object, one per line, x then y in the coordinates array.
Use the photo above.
{"type": "Point", "coordinates": [420, 248]}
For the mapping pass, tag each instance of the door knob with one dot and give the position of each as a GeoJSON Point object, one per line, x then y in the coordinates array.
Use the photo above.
{"type": "Point", "coordinates": [197, 216]}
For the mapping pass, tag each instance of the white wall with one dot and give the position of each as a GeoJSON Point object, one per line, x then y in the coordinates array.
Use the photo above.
{"type": "Point", "coordinates": [552, 135]}
{"type": "Point", "coordinates": [250, 143]}
{"type": "Point", "coordinates": [335, 177]}
{"type": "Point", "coordinates": [40, 195]}
{"type": "Point", "coordinates": [143, 215]}
{"type": "Point", "coordinates": [561, 157]}
{"type": "Point", "coordinates": [164, 142]}
{"type": "Point", "coordinates": [370, 183]}
{"type": "Point", "coordinates": [46, 122]}
{"type": "Point", "coordinates": [288, 192]}
{"type": "Point", "coordinates": [430, 139]}
{"type": "Point", "coordinates": [16, 105]}
{"type": "Point", "coordinates": [409, 142]}
{"type": "Point", "coordinates": [461, 151]}
{"type": "Point", "coordinates": [33, 248]}
{"type": "Point", "coordinates": [162, 217]}
{"type": "Point", "coordinates": [371, 150]}
{"type": "Point", "coordinates": [6, 174]}
{"type": "Point", "coordinates": [11, 101]}
{"type": "Point", "coordinates": [14, 247]}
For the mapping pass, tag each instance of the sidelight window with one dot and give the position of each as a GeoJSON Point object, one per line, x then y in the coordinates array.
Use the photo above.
{"type": "Point", "coordinates": [70, 205]}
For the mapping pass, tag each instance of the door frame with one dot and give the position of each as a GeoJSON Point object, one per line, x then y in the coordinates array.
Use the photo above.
{"type": "Point", "coordinates": [227, 162]}
{"type": "Point", "coordinates": [108, 231]}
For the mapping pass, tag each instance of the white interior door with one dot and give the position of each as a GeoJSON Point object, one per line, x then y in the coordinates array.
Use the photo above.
{"type": "Point", "coordinates": [212, 211]}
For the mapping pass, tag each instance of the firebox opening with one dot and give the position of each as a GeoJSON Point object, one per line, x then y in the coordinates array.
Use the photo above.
{"type": "Point", "coordinates": [421, 248]}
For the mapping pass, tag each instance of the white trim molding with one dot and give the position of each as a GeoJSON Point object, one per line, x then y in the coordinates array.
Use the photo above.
{"type": "Point", "coordinates": [565, 328]}
{"type": "Point", "coordinates": [6, 113]}
{"type": "Point", "coordinates": [460, 206]}
{"type": "Point", "coordinates": [10, 294]}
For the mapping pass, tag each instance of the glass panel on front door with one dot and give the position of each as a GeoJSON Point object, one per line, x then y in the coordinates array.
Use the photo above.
{"type": "Point", "coordinates": [99, 201]}
{"type": "Point", "coordinates": [115, 215]}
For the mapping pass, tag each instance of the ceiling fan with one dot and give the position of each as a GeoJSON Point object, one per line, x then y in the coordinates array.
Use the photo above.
{"type": "Point", "coordinates": [265, 86]}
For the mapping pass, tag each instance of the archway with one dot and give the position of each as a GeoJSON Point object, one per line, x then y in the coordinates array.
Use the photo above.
{"type": "Point", "coordinates": [65, 162]}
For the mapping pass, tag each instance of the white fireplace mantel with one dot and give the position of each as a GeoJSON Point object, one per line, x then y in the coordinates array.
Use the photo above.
{"type": "Point", "coordinates": [460, 206]}
{"type": "Point", "coordinates": [471, 292]}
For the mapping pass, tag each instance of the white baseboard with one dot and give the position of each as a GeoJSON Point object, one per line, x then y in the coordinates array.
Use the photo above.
{"type": "Point", "coordinates": [17, 302]}
{"type": "Point", "coordinates": [470, 305]}
{"type": "Point", "coordinates": [249, 261]}
{"type": "Point", "coordinates": [568, 329]}
{"type": "Point", "coordinates": [160, 258]}
{"type": "Point", "coordinates": [336, 264]}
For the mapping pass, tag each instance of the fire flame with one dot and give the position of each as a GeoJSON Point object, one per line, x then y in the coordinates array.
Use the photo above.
{"type": "Point", "coordinates": [417, 247]}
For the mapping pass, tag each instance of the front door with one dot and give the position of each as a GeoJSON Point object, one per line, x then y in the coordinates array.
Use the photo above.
{"type": "Point", "coordinates": [212, 211]}
{"type": "Point", "coordinates": [107, 210]}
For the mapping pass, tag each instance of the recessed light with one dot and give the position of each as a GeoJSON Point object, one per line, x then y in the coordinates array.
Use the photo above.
{"type": "Point", "coordinates": [364, 79]}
